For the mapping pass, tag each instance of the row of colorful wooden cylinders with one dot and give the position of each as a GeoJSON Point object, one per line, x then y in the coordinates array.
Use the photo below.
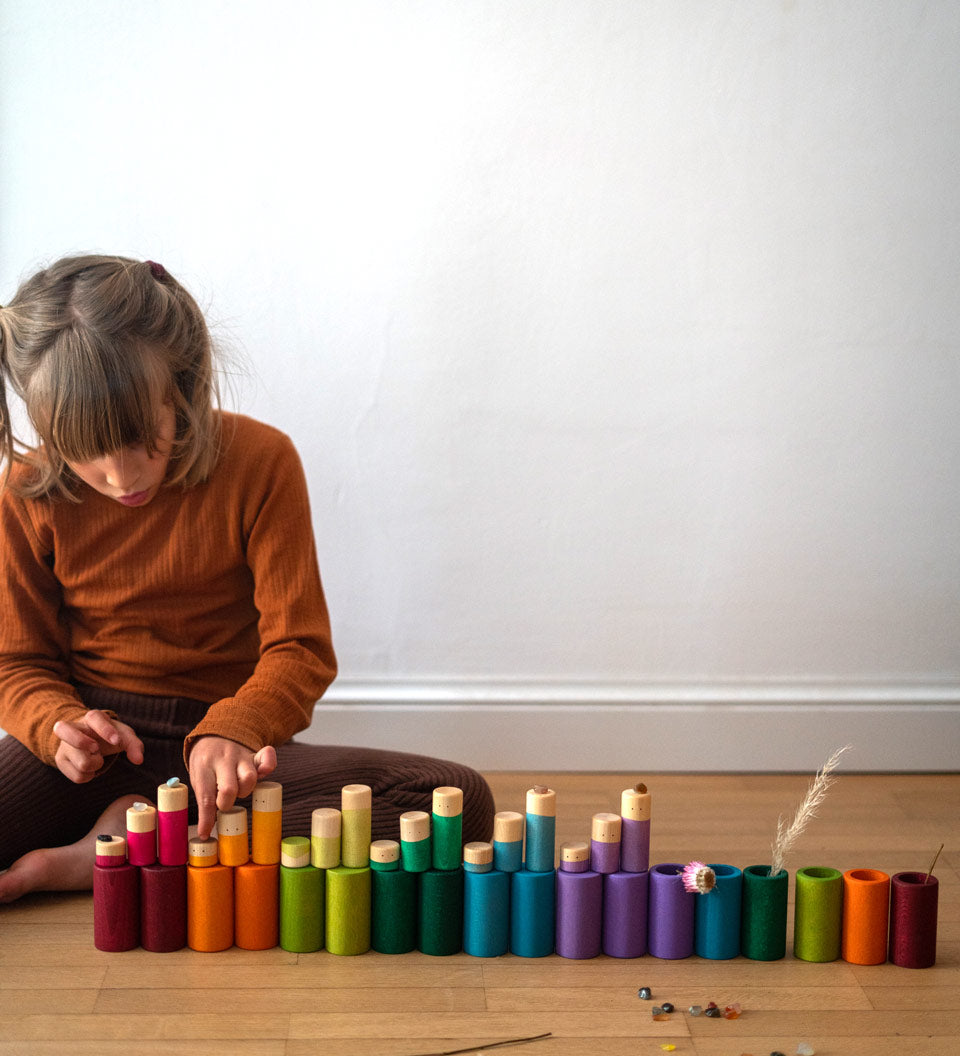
{"type": "Point", "coordinates": [836, 915]}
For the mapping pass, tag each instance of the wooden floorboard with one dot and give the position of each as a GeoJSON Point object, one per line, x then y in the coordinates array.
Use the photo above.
{"type": "Point", "coordinates": [58, 994]}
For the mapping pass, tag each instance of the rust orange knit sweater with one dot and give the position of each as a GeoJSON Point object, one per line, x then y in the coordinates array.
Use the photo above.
{"type": "Point", "coordinates": [210, 592]}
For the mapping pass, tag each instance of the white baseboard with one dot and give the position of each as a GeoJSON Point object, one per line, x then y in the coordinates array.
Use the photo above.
{"type": "Point", "coordinates": [776, 726]}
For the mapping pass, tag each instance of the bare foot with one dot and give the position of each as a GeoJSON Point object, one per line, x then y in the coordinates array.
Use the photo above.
{"type": "Point", "coordinates": [67, 868]}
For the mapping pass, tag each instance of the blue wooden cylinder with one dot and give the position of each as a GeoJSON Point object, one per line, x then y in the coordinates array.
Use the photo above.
{"type": "Point", "coordinates": [717, 916]}
{"type": "Point", "coordinates": [486, 913]}
{"type": "Point", "coordinates": [532, 913]}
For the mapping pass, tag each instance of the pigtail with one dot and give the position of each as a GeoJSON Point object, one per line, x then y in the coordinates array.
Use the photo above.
{"type": "Point", "coordinates": [6, 431]}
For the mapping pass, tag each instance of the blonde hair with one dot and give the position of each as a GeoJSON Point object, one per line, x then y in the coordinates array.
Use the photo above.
{"type": "Point", "coordinates": [93, 345]}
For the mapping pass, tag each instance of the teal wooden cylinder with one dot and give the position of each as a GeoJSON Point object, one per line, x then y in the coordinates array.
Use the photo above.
{"type": "Point", "coordinates": [302, 909]}
{"type": "Point", "coordinates": [818, 914]}
{"type": "Point", "coordinates": [533, 902]}
{"type": "Point", "coordinates": [486, 913]}
{"type": "Point", "coordinates": [440, 928]}
{"type": "Point", "coordinates": [717, 916]}
{"type": "Point", "coordinates": [763, 924]}
{"type": "Point", "coordinates": [393, 911]}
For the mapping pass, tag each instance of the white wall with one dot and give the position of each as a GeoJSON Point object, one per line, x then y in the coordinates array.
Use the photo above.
{"type": "Point", "coordinates": [620, 341]}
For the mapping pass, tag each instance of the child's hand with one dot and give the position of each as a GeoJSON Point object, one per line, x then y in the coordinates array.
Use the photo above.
{"type": "Point", "coordinates": [85, 743]}
{"type": "Point", "coordinates": [222, 771]}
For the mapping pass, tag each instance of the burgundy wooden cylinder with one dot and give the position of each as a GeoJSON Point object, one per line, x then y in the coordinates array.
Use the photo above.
{"type": "Point", "coordinates": [116, 908]}
{"type": "Point", "coordinates": [163, 907]}
{"type": "Point", "coordinates": [913, 920]}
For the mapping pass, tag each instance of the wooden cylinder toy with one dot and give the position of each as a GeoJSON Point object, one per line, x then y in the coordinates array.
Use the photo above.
{"type": "Point", "coordinates": [163, 907]}
{"type": "Point", "coordinates": [110, 851]}
{"type": "Point", "coordinates": [256, 906]}
{"type": "Point", "coordinates": [670, 913]}
{"type": "Point", "coordinates": [210, 912]}
{"type": "Point", "coordinates": [348, 910]}
{"type": "Point", "coordinates": [302, 897]}
{"type": "Point", "coordinates": [172, 828]}
{"type": "Point", "coordinates": [818, 914]}
{"type": "Point", "coordinates": [913, 920]}
{"type": "Point", "coordinates": [541, 830]}
{"type": "Point", "coordinates": [447, 823]}
{"type": "Point", "coordinates": [356, 803]}
{"type": "Point", "coordinates": [625, 913]}
{"type": "Point", "coordinates": [635, 835]}
{"type": "Point", "coordinates": [507, 841]}
{"type": "Point", "coordinates": [325, 838]}
{"type": "Point", "coordinates": [116, 897]}
{"type": "Point", "coordinates": [763, 913]}
{"type": "Point", "coordinates": [605, 843]}
{"type": "Point", "coordinates": [486, 903]}
{"type": "Point", "coordinates": [533, 910]}
{"type": "Point", "coordinates": [416, 851]}
{"type": "Point", "coordinates": [202, 853]}
{"type": "Point", "coordinates": [717, 916]}
{"type": "Point", "coordinates": [579, 904]}
{"type": "Point", "coordinates": [393, 911]}
{"type": "Point", "coordinates": [384, 855]}
{"type": "Point", "coordinates": [440, 931]}
{"type": "Point", "coordinates": [142, 834]}
{"type": "Point", "coordinates": [266, 809]}
{"type": "Point", "coordinates": [866, 911]}
{"type": "Point", "coordinates": [234, 844]}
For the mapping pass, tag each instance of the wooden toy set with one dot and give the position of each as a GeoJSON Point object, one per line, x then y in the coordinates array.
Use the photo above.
{"type": "Point", "coordinates": [337, 890]}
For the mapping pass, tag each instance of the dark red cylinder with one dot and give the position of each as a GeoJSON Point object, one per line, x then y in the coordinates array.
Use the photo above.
{"type": "Point", "coordinates": [116, 908]}
{"type": "Point", "coordinates": [913, 920]}
{"type": "Point", "coordinates": [163, 907]}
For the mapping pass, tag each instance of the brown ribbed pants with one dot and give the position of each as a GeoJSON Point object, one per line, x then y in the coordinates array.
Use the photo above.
{"type": "Point", "coordinates": [39, 807]}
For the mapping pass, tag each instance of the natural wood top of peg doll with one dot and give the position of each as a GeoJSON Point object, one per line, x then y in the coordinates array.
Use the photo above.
{"type": "Point", "coordinates": [542, 800]}
{"type": "Point", "coordinates": [414, 826]}
{"type": "Point", "coordinates": [141, 817]}
{"type": "Point", "coordinates": [635, 803]}
{"type": "Point", "coordinates": [507, 826]}
{"type": "Point", "coordinates": [268, 795]}
{"type": "Point", "coordinates": [447, 801]}
{"type": "Point", "coordinates": [325, 822]}
{"type": "Point", "coordinates": [606, 828]}
{"type": "Point", "coordinates": [356, 797]}
{"type": "Point", "coordinates": [232, 821]}
{"type": "Point", "coordinates": [172, 797]}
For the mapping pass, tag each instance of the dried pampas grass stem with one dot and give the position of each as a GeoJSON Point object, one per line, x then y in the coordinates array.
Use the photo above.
{"type": "Point", "coordinates": [788, 836]}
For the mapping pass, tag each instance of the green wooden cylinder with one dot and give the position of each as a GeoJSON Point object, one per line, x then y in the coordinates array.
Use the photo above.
{"type": "Point", "coordinates": [818, 914]}
{"type": "Point", "coordinates": [763, 920]}
{"type": "Point", "coordinates": [447, 840]}
{"type": "Point", "coordinates": [440, 930]}
{"type": "Point", "coordinates": [348, 910]}
{"type": "Point", "coordinates": [393, 920]}
{"type": "Point", "coordinates": [301, 909]}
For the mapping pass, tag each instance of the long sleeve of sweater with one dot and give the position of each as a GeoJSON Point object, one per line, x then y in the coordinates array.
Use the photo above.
{"type": "Point", "coordinates": [211, 592]}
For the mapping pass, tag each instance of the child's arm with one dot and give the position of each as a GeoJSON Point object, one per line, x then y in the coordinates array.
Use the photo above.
{"type": "Point", "coordinates": [87, 742]}
{"type": "Point", "coordinates": [296, 662]}
{"type": "Point", "coordinates": [222, 771]}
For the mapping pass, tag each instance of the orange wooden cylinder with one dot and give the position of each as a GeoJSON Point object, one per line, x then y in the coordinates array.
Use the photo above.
{"type": "Point", "coordinates": [266, 816]}
{"type": "Point", "coordinates": [234, 842]}
{"type": "Point", "coordinates": [209, 908]}
{"type": "Point", "coordinates": [256, 906]}
{"type": "Point", "coordinates": [866, 912]}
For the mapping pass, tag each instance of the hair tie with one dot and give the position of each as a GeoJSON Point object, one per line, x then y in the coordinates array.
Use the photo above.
{"type": "Point", "coordinates": [157, 270]}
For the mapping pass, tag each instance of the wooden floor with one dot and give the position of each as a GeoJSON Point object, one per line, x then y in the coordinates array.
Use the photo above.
{"type": "Point", "coordinates": [59, 995]}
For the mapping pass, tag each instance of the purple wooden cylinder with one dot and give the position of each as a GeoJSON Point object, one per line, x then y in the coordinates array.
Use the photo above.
{"type": "Point", "coordinates": [604, 857]}
{"type": "Point", "coordinates": [579, 913]}
{"type": "Point", "coordinates": [625, 897]}
{"type": "Point", "coordinates": [670, 917]}
{"type": "Point", "coordinates": [635, 846]}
